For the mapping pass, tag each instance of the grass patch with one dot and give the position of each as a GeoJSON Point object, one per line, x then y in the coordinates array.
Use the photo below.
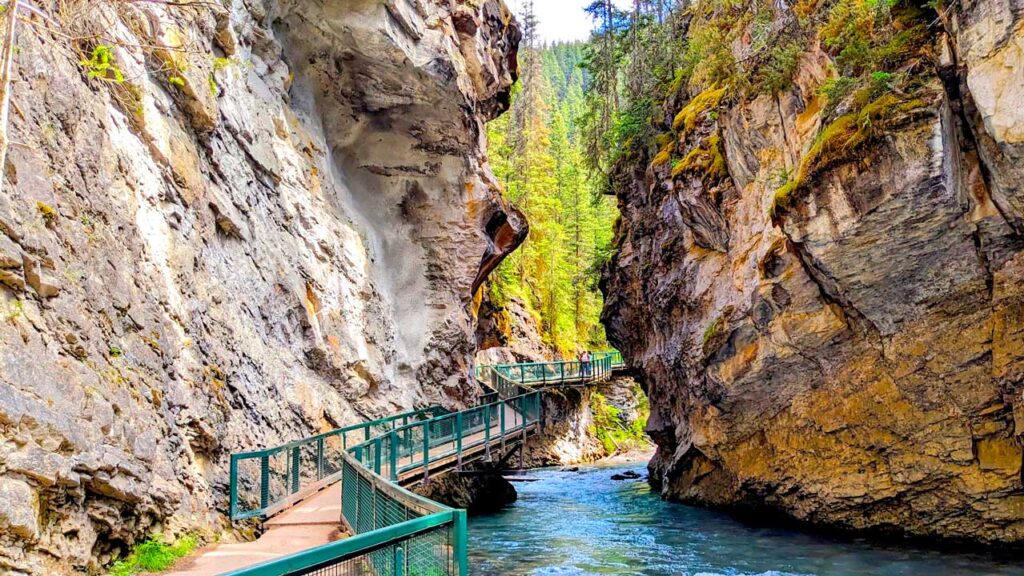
{"type": "Point", "coordinates": [153, 556]}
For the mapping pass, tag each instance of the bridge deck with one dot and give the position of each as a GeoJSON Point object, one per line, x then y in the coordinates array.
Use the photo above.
{"type": "Point", "coordinates": [316, 520]}
{"type": "Point", "coordinates": [310, 523]}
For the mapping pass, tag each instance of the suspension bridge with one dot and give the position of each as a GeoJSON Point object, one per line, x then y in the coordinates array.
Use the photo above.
{"type": "Point", "coordinates": [336, 504]}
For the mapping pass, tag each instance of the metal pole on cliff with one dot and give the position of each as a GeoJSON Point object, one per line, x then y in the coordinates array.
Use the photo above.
{"type": "Point", "coordinates": [6, 61]}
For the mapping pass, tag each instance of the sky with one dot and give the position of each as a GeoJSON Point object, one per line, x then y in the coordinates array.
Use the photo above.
{"type": "Point", "coordinates": [563, 19]}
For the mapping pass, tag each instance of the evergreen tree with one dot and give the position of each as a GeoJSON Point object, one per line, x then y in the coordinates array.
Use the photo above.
{"type": "Point", "coordinates": [537, 153]}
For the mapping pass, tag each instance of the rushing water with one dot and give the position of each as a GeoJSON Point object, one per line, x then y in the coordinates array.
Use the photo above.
{"type": "Point", "coordinates": [576, 523]}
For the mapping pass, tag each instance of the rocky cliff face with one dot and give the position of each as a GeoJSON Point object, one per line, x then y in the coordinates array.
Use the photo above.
{"type": "Point", "coordinates": [854, 355]}
{"type": "Point", "coordinates": [227, 225]}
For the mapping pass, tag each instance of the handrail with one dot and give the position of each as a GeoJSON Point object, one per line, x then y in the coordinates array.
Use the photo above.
{"type": "Point", "coordinates": [517, 378]}
{"type": "Point", "coordinates": [395, 531]}
{"type": "Point", "coordinates": [398, 532]}
{"type": "Point", "coordinates": [413, 446]}
{"type": "Point", "coordinates": [288, 472]}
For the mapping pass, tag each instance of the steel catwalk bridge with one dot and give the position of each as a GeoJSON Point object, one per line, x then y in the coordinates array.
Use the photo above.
{"type": "Point", "coordinates": [394, 532]}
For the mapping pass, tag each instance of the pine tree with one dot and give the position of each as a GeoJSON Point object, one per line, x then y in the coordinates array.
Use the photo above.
{"type": "Point", "coordinates": [537, 153]}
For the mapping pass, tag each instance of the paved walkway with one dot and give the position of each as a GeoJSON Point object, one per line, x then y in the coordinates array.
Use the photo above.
{"type": "Point", "coordinates": [310, 523]}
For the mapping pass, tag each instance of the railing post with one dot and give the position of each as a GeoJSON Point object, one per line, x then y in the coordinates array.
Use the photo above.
{"type": "Point", "coordinates": [426, 451]}
{"type": "Point", "coordinates": [376, 455]}
{"type": "Point", "coordinates": [233, 489]}
{"type": "Point", "coordinates": [399, 559]}
{"type": "Point", "coordinates": [487, 433]}
{"type": "Point", "coordinates": [458, 437]}
{"type": "Point", "coordinates": [501, 407]}
{"type": "Point", "coordinates": [561, 372]}
{"type": "Point", "coordinates": [264, 482]}
{"type": "Point", "coordinates": [320, 458]}
{"type": "Point", "coordinates": [393, 453]}
{"type": "Point", "coordinates": [540, 419]}
{"type": "Point", "coordinates": [295, 469]}
{"type": "Point", "coordinates": [461, 542]}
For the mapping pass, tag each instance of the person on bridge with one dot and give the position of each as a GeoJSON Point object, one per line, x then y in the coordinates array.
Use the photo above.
{"type": "Point", "coordinates": [585, 361]}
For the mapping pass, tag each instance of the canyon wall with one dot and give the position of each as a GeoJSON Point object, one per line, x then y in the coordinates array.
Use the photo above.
{"type": "Point", "coordinates": [847, 351]}
{"type": "Point", "coordinates": [224, 226]}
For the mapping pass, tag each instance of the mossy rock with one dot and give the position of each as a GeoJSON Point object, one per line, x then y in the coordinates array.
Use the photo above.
{"type": "Point", "coordinates": [664, 156]}
{"type": "Point", "coordinates": [836, 142]}
{"type": "Point", "coordinates": [705, 160]}
{"type": "Point", "coordinates": [704, 102]}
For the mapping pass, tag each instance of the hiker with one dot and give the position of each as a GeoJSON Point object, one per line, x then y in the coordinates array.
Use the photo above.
{"type": "Point", "coordinates": [585, 359]}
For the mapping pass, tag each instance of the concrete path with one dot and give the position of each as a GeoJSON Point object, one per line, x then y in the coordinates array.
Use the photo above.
{"type": "Point", "coordinates": [310, 523]}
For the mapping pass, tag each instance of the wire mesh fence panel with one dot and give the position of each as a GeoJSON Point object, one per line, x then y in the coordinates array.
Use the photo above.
{"type": "Point", "coordinates": [309, 464]}
{"type": "Point", "coordinates": [333, 450]}
{"type": "Point", "coordinates": [364, 519]}
{"type": "Point", "coordinates": [247, 490]}
{"type": "Point", "coordinates": [352, 567]}
{"type": "Point", "coordinates": [430, 554]}
{"type": "Point", "coordinates": [279, 486]}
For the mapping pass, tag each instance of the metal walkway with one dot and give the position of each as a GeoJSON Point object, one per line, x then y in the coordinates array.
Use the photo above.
{"type": "Point", "coordinates": [334, 504]}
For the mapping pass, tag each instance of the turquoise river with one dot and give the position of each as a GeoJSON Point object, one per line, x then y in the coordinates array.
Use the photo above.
{"type": "Point", "coordinates": [579, 523]}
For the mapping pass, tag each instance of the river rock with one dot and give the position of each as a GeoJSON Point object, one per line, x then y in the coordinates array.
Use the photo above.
{"type": "Point", "coordinates": [480, 489]}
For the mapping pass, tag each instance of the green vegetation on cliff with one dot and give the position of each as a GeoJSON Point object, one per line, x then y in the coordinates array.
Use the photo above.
{"type": "Point", "coordinates": [669, 65]}
{"type": "Point", "coordinates": [618, 433]}
{"type": "Point", "coordinates": [647, 90]}
{"type": "Point", "coordinates": [154, 555]}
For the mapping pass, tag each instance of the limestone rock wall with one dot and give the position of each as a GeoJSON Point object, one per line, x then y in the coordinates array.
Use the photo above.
{"type": "Point", "coordinates": [569, 435]}
{"type": "Point", "coordinates": [858, 360]}
{"type": "Point", "coordinates": [262, 219]}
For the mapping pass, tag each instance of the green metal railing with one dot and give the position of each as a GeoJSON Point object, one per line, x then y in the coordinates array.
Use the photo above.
{"type": "Point", "coordinates": [414, 448]}
{"type": "Point", "coordinates": [394, 533]}
{"type": "Point", "coordinates": [263, 482]}
{"type": "Point", "coordinates": [508, 380]}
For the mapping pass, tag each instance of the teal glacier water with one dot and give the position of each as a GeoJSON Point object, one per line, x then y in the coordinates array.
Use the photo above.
{"type": "Point", "coordinates": [578, 523]}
